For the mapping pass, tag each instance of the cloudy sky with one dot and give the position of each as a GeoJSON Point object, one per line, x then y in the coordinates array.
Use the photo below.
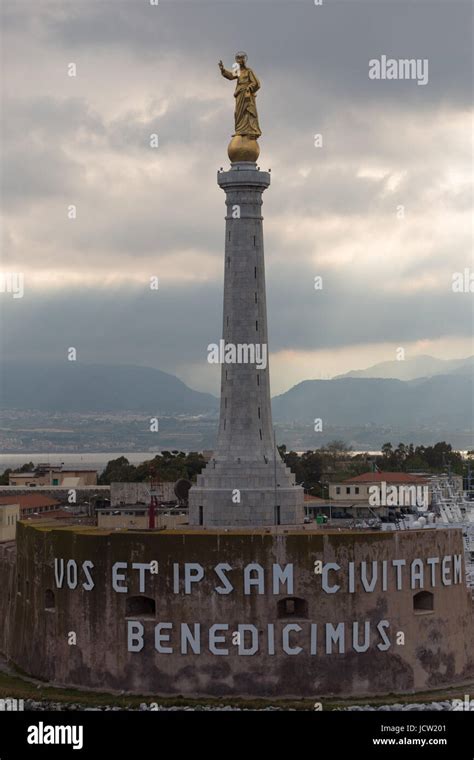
{"type": "Point", "coordinates": [333, 211]}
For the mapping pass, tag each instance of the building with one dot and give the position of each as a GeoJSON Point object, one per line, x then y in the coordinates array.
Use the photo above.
{"type": "Point", "coordinates": [139, 493]}
{"type": "Point", "coordinates": [32, 504]}
{"type": "Point", "coordinates": [314, 506]}
{"type": "Point", "coordinates": [55, 514]}
{"type": "Point", "coordinates": [9, 516]}
{"type": "Point", "coordinates": [136, 517]}
{"type": "Point", "coordinates": [396, 490]}
{"type": "Point", "coordinates": [53, 475]}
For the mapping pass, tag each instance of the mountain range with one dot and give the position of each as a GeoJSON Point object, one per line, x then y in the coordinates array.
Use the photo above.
{"type": "Point", "coordinates": [355, 399]}
{"type": "Point", "coordinates": [75, 387]}
{"type": "Point", "coordinates": [442, 400]}
{"type": "Point", "coordinates": [418, 366]}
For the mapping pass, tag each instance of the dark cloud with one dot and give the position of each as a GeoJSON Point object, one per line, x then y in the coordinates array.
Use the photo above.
{"type": "Point", "coordinates": [385, 143]}
{"type": "Point", "coordinates": [328, 46]}
{"type": "Point", "coordinates": [175, 324]}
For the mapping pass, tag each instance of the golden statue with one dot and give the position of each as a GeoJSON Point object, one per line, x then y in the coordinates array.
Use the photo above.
{"type": "Point", "coordinates": [244, 145]}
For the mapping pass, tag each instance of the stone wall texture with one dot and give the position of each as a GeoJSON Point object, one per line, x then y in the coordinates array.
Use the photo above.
{"type": "Point", "coordinates": [437, 652]}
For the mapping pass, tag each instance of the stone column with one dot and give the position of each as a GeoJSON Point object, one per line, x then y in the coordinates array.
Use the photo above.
{"type": "Point", "coordinates": [246, 483]}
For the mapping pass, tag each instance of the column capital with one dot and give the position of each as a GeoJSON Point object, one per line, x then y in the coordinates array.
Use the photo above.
{"type": "Point", "coordinates": [243, 174]}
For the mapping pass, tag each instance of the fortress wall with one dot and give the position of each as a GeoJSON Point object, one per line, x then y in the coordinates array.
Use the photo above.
{"type": "Point", "coordinates": [7, 591]}
{"type": "Point", "coordinates": [316, 658]}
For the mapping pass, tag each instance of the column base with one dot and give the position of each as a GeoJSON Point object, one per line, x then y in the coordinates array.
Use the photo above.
{"type": "Point", "coordinates": [232, 494]}
{"type": "Point", "coordinates": [257, 507]}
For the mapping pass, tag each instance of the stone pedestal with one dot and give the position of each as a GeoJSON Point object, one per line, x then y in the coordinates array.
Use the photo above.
{"type": "Point", "coordinates": [246, 483]}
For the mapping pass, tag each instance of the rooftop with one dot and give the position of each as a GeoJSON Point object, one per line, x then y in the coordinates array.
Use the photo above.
{"type": "Point", "coordinates": [29, 500]}
{"type": "Point", "coordinates": [51, 489]}
{"type": "Point", "coordinates": [387, 477]}
{"type": "Point", "coordinates": [55, 514]}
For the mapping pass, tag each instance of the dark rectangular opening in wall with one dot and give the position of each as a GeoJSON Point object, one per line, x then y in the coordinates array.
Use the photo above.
{"type": "Point", "coordinates": [201, 515]}
{"type": "Point", "coordinates": [255, 272]}
{"type": "Point", "coordinates": [258, 412]}
{"type": "Point", "coordinates": [256, 324]}
{"type": "Point", "coordinates": [260, 431]}
{"type": "Point", "coordinates": [277, 515]}
{"type": "Point", "coordinates": [292, 607]}
{"type": "Point", "coordinates": [254, 243]}
{"type": "Point", "coordinates": [255, 298]}
{"type": "Point", "coordinates": [140, 606]}
{"type": "Point", "coordinates": [423, 601]}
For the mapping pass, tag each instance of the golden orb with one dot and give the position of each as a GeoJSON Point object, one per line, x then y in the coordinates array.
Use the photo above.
{"type": "Point", "coordinates": [243, 148]}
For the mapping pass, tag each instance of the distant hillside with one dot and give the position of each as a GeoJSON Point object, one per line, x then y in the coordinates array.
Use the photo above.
{"type": "Point", "coordinates": [419, 366]}
{"type": "Point", "coordinates": [464, 369]}
{"type": "Point", "coordinates": [72, 386]}
{"type": "Point", "coordinates": [445, 400]}
{"type": "Point", "coordinates": [437, 403]}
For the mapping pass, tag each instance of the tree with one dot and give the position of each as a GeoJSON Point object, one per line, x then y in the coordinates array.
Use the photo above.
{"type": "Point", "coordinates": [27, 467]}
{"type": "Point", "coordinates": [430, 458]}
{"type": "Point", "coordinates": [118, 470]}
{"type": "Point", "coordinates": [307, 468]}
{"type": "Point", "coordinates": [337, 449]}
{"type": "Point", "coordinates": [167, 466]}
{"type": "Point", "coordinates": [4, 479]}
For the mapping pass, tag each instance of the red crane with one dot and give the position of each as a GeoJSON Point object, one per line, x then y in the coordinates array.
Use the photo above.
{"type": "Point", "coordinates": [153, 503]}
